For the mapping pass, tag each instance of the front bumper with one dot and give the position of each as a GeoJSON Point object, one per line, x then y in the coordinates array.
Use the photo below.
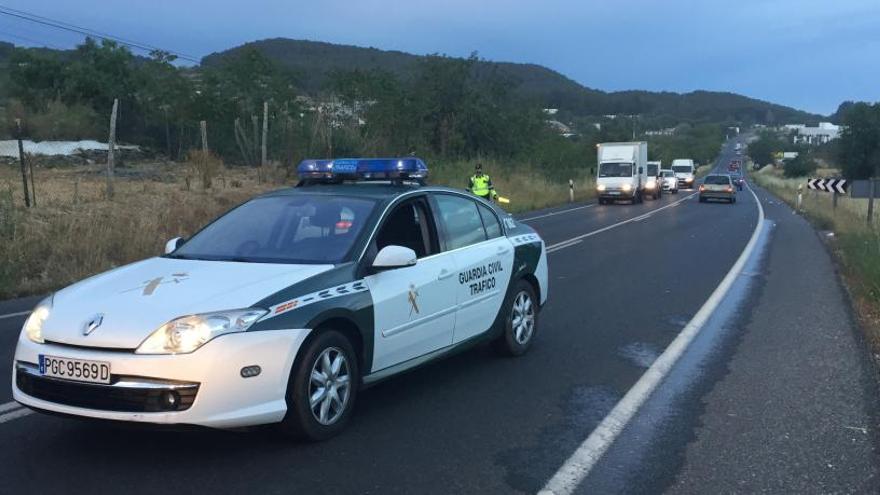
{"type": "Point", "coordinates": [616, 194]}
{"type": "Point", "coordinates": [207, 383]}
{"type": "Point", "coordinates": [685, 183]}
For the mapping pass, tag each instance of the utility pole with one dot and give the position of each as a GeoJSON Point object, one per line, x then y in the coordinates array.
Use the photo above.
{"type": "Point", "coordinates": [265, 131]}
{"type": "Point", "coordinates": [111, 148]}
{"type": "Point", "coordinates": [27, 198]}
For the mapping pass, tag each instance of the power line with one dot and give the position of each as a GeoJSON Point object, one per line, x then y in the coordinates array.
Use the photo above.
{"type": "Point", "coordinates": [45, 21]}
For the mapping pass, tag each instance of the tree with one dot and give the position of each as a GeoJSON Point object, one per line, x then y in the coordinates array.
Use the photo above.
{"type": "Point", "coordinates": [763, 149]}
{"type": "Point", "coordinates": [859, 147]}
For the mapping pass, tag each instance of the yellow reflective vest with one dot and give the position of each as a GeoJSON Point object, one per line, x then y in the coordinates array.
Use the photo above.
{"type": "Point", "coordinates": [481, 185]}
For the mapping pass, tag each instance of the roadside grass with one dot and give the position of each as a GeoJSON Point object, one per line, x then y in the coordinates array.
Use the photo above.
{"type": "Point", "coordinates": [856, 244]}
{"type": "Point", "coordinates": [75, 231]}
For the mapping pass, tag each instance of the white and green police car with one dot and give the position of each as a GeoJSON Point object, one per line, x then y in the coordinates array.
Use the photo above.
{"type": "Point", "coordinates": [281, 309]}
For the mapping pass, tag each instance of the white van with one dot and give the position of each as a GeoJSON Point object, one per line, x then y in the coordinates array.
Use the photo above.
{"type": "Point", "coordinates": [684, 170]}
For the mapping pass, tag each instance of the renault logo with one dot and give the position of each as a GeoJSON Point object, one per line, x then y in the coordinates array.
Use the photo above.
{"type": "Point", "coordinates": [93, 323]}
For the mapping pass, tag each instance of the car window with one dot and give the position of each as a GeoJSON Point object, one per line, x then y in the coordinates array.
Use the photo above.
{"type": "Point", "coordinates": [722, 180]}
{"type": "Point", "coordinates": [408, 226]}
{"type": "Point", "coordinates": [652, 169]}
{"type": "Point", "coordinates": [490, 221]}
{"type": "Point", "coordinates": [462, 222]}
{"type": "Point", "coordinates": [301, 228]}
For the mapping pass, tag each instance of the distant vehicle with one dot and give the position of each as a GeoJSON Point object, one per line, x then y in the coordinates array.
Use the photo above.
{"type": "Point", "coordinates": [655, 182]}
{"type": "Point", "coordinates": [622, 171]}
{"type": "Point", "coordinates": [670, 182]}
{"type": "Point", "coordinates": [684, 170]}
{"type": "Point", "coordinates": [717, 186]}
{"type": "Point", "coordinates": [734, 165]}
{"type": "Point", "coordinates": [738, 180]}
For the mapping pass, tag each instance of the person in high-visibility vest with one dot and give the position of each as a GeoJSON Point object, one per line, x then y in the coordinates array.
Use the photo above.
{"type": "Point", "coordinates": [481, 185]}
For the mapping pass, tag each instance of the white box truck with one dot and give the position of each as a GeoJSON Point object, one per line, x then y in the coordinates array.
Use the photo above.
{"type": "Point", "coordinates": [684, 170]}
{"type": "Point", "coordinates": [623, 171]}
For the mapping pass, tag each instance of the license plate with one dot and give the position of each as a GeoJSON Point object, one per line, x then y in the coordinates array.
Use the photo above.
{"type": "Point", "coordinates": [80, 370]}
{"type": "Point", "coordinates": [614, 193]}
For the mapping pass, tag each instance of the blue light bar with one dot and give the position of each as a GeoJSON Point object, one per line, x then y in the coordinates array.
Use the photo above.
{"type": "Point", "coordinates": [363, 169]}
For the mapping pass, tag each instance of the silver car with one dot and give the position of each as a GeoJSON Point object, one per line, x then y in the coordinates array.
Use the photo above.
{"type": "Point", "coordinates": [668, 181]}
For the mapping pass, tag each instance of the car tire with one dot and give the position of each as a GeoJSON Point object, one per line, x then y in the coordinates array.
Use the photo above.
{"type": "Point", "coordinates": [327, 417]}
{"type": "Point", "coordinates": [520, 312]}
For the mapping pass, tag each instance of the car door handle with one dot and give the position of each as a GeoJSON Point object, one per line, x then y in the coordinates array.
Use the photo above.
{"type": "Point", "coordinates": [444, 274]}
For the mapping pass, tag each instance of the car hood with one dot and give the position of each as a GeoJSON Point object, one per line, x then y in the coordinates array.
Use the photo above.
{"type": "Point", "coordinates": [136, 299]}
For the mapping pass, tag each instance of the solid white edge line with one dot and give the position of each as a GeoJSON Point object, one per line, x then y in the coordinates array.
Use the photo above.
{"type": "Point", "coordinates": [578, 466]}
{"type": "Point", "coordinates": [570, 242]}
{"type": "Point", "coordinates": [13, 315]}
{"type": "Point", "coordinates": [567, 210]}
{"type": "Point", "coordinates": [8, 406]}
{"type": "Point", "coordinates": [18, 413]}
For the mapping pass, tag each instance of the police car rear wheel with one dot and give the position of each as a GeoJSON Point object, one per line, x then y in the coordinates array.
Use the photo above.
{"type": "Point", "coordinates": [521, 321]}
{"type": "Point", "coordinates": [322, 388]}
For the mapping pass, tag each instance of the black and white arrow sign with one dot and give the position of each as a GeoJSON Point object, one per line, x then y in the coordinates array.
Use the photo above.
{"type": "Point", "coordinates": [828, 185]}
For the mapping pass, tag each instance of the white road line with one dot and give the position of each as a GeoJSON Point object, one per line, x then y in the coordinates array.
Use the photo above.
{"type": "Point", "coordinates": [8, 406]}
{"type": "Point", "coordinates": [571, 242]}
{"type": "Point", "coordinates": [18, 413]}
{"type": "Point", "coordinates": [569, 210]}
{"type": "Point", "coordinates": [13, 315]}
{"type": "Point", "coordinates": [578, 466]}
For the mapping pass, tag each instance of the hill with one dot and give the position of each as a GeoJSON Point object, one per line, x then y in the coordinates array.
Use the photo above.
{"type": "Point", "coordinates": [313, 61]}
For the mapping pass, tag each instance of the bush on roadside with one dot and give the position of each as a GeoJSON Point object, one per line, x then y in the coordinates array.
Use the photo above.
{"type": "Point", "coordinates": [205, 166]}
{"type": "Point", "coordinates": [801, 166]}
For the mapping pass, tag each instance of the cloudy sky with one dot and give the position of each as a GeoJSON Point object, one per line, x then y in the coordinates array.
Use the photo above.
{"type": "Point", "coordinates": [809, 54]}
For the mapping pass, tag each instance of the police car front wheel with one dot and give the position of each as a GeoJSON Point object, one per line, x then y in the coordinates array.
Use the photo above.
{"type": "Point", "coordinates": [322, 388]}
{"type": "Point", "coordinates": [521, 321]}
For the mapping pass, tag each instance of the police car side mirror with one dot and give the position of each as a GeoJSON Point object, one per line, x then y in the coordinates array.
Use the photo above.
{"type": "Point", "coordinates": [391, 257]}
{"type": "Point", "coordinates": [173, 244]}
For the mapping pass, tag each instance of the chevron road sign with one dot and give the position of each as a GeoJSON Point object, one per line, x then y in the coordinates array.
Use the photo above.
{"type": "Point", "coordinates": [828, 185]}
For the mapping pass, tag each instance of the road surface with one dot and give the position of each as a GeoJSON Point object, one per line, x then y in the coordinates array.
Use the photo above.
{"type": "Point", "coordinates": [775, 394]}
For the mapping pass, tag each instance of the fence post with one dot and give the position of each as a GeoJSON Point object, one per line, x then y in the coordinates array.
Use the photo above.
{"type": "Point", "coordinates": [111, 148]}
{"type": "Point", "coordinates": [27, 198]}
{"type": "Point", "coordinates": [871, 201]}
{"type": "Point", "coordinates": [265, 132]}
{"type": "Point", "coordinates": [570, 191]}
{"type": "Point", "coordinates": [203, 126]}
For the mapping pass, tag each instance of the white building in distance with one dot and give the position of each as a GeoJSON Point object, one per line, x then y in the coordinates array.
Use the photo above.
{"type": "Point", "coordinates": [814, 136]}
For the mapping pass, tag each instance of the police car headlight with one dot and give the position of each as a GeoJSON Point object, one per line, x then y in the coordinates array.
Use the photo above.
{"type": "Point", "coordinates": [600, 187]}
{"type": "Point", "coordinates": [186, 334]}
{"type": "Point", "coordinates": [33, 326]}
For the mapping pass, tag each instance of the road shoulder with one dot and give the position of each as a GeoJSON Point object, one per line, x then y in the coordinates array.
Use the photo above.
{"type": "Point", "coordinates": [797, 410]}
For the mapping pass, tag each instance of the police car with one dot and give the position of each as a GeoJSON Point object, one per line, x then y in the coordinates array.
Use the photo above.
{"type": "Point", "coordinates": [282, 309]}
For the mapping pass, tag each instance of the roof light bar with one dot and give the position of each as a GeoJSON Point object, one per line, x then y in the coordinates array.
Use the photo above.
{"type": "Point", "coordinates": [363, 169]}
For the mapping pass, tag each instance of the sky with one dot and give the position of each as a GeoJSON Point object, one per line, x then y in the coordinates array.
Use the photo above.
{"type": "Point", "coordinates": [808, 54]}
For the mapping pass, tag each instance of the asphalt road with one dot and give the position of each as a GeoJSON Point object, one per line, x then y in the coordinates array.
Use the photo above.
{"type": "Point", "coordinates": [763, 397]}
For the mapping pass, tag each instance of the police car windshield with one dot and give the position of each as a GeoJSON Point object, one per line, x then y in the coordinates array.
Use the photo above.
{"type": "Point", "coordinates": [615, 170]}
{"type": "Point", "coordinates": [300, 228]}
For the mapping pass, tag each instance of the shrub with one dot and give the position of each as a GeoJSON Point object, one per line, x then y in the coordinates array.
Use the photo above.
{"type": "Point", "coordinates": [60, 121]}
{"type": "Point", "coordinates": [206, 166]}
{"type": "Point", "coordinates": [801, 166]}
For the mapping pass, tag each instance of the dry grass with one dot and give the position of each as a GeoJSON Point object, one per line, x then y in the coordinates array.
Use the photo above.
{"type": "Point", "coordinates": [856, 245]}
{"type": "Point", "coordinates": [75, 231]}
